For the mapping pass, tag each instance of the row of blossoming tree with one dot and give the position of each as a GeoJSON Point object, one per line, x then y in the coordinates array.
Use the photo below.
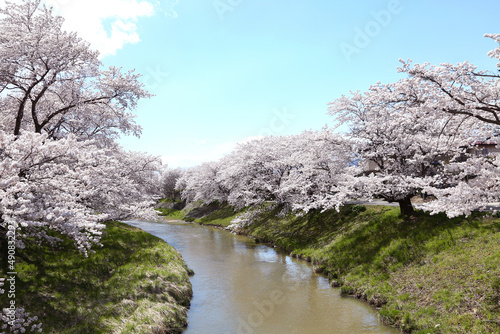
{"type": "Point", "coordinates": [420, 135]}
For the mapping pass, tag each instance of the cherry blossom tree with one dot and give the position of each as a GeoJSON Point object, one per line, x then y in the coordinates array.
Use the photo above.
{"type": "Point", "coordinates": [326, 161]}
{"type": "Point", "coordinates": [461, 89]}
{"type": "Point", "coordinates": [479, 186]}
{"type": "Point", "coordinates": [297, 172]}
{"type": "Point", "coordinates": [257, 171]}
{"type": "Point", "coordinates": [468, 95]}
{"type": "Point", "coordinates": [70, 187]}
{"type": "Point", "coordinates": [52, 82]}
{"type": "Point", "coordinates": [61, 173]}
{"type": "Point", "coordinates": [202, 183]}
{"type": "Point", "coordinates": [50, 188]}
{"type": "Point", "coordinates": [168, 181]}
{"type": "Point", "coordinates": [60, 169]}
{"type": "Point", "coordinates": [406, 142]}
{"type": "Point", "coordinates": [251, 174]}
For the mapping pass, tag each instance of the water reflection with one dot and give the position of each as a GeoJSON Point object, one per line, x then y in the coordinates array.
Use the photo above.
{"type": "Point", "coordinates": [241, 288]}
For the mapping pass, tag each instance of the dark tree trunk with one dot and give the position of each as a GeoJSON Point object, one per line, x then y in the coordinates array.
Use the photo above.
{"type": "Point", "coordinates": [19, 120]}
{"type": "Point", "coordinates": [406, 207]}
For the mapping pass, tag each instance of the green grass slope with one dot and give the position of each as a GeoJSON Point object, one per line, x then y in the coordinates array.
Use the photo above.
{"type": "Point", "coordinates": [217, 214]}
{"type": "Point", "coordinates": [135, 283]}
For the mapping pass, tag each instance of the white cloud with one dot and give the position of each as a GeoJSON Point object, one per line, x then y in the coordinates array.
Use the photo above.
{"type": "Point", "coordinates": [90, 18]}
{"type": "Point", "coordinates": [107, 24]}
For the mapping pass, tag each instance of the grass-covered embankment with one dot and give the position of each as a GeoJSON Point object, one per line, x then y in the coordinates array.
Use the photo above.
{"type": "Point", "coordinates": [135, 283]}
{"type": "Point", "coordinates": [214, 214]}
{"type": "Point", "coordinates": [428, 274]}
{"type": "Point", "coordinates": [171, 214]}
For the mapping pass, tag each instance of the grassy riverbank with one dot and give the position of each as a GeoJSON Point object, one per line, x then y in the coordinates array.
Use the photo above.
{"type": "Point", "coordinates": [135, 283]}
{"type": "Point", "coordinates": [427, 274]}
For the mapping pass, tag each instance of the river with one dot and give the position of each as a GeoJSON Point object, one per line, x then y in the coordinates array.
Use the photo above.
{"type": "Point", "coordinates": [241, 287]}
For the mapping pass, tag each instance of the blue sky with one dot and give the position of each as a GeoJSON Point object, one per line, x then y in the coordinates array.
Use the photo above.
{"type": "Point", "coordinates": [224, 71]}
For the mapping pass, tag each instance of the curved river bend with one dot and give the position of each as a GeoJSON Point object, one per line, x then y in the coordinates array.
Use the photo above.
{"type": "Point", "coordinates": [241, 287]}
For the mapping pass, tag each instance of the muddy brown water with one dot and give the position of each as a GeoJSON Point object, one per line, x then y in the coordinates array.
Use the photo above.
{"type": "Point", "coordinates": [241, 287]}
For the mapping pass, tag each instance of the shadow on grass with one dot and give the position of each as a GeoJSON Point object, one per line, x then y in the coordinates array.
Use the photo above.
{"type": "Point", "coordinates": [218, 214]}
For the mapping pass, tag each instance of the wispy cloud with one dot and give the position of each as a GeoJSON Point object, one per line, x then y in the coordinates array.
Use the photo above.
{"type": "Point", "coordinates": [168, 7]}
